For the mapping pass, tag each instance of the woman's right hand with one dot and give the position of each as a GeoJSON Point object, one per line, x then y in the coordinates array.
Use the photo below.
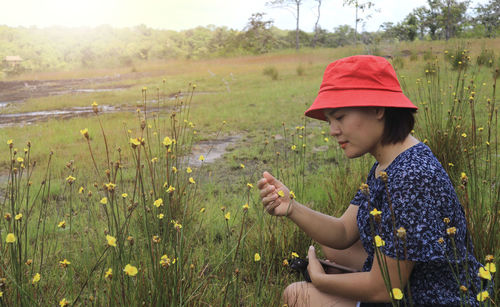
{"type": "Point", "coordinates": [270, 190]}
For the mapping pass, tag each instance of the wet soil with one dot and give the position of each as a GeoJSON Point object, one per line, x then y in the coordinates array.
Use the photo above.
{"type": "Point", "coordinates": [16, 91]}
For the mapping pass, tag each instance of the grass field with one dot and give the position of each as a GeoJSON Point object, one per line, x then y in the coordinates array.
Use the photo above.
{"type": "Point", "coordinates": [95, 201]}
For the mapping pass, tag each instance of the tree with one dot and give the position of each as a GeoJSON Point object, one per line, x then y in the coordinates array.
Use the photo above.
{"type": "Point", "coordinates": [488, 15]}
{"type": "Point", "coordinates": [290, 4]}
{"type": "Point", "coordinates": [360, 7]}
{"type": "Point", "coordinates": [258, 37]}
{"type": "Point", "coordinates": [316, 25]}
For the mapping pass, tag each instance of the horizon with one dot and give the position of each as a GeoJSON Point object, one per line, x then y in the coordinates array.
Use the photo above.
{"type": "Point", "coordinates": [189, 14]}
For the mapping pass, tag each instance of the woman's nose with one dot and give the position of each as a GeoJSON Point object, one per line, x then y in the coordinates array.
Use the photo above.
{"type": "Point", "coordinates": [334, 129]}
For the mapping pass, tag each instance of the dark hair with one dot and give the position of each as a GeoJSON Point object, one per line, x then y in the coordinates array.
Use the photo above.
{"type": "Point", "coordinates": [398, 123]}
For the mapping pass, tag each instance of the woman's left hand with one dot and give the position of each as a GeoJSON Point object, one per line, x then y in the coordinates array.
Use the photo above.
{"type": "Point", "coordinates": [315, 269]}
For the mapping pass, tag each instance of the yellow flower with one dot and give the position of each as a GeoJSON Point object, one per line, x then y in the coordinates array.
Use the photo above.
{"type": "Point", "coordinates": [482, 296]}
{"type": "Point", "coordinates": [285, 262]}
{"type": "Point", "coordinates": [108, 274]}
{"type": "Point", "coordinates": [245, 207]}
{"type": "Point", "coordinates": [202, 210]}
{"type": "Point", "coordinates": [292, 194]}
{"type": "Point", "coordinates": [11, 238]}
{"type": "Point", "coordinates": [70, 179]}
{"type": "Point", "coordinates": [451, 231]}
{"type": "Point", "coordinates": [176, 225]}
{"type": "Point", "coordinates": [489, 258]}
{"type": "Point", "coordinates": [256, 257]}
{"type": "Point", "coordinates": [464, 177]}
{"type": "Point", "coordinates": [295, 255]}
{"type": "Point", "coordinates": [104, 201]}
{"type": "Point", "coordinates": [480, 129]}
{"type": "Point", "coordinates": [157, 203]}
{"type": "Point", "coordinates": [63, 302]}
{"type": "Point", "coordinates": [167, 141]}
{"type": "Point", "coordinates": [110, 186]}
{"type": "Point", "coordinates": [491, 267]}
{"type": "Point", "coordinates": [170, 189]}
{"type": "Point", "coordinates": [227, 216]}
{"type": "Point", "coordinates": [379, 242]}
{"type": "Point", "coordinates": [249, 185]}
{"type": "Point", "coordinates": [165, 261]}
{"type": "Point", "coordinates": [85, 133]}
{"type": "Point", "coordinates": [135, 142]}
{"type": "Point", "coordinates": [201, 158]}
{"type": "Point", "coordinates": [64, 263]}
{"type": "Point", "coordinates": [111, 240]}
{"type": "Point", "coordinates": [484, 273]}
{"type": "Point", "coordinates": [62, 224]}
{"type": "Point", "coordinates": [451, 164]}
{"type": "Point", "coordinates": [124, 195]}
{"type": "Point", "coordinates": [401, 233]}
{"type": "Point", "coordinates": [20, 160]}
{"type": "Point", "coordinates": [463, 288]}
{"type": "Point", "coordinates": [446, 220]}
{"type": "Point", "coordinates": [81, 190]}
{"type": "Point", "coordinates": [375, 212]}
{"type": "Point", "coordinates": [397, 294]}
{"type": "Point", "coordinates": [36, 278]}
{"type": "Point", "coordinates": [281, 193]}
{"type": "Point", "coordinates": [174, 169]}
{"type": "Point", "coordinates": [156, 239]}
{"type": "Point", "coordinates": [130, 270]}
{"type": "Point", "coordinates": [160, 216]}
{"type": "Point", "coordinates": [425, 141]}
{"type": "Point", "coordinates": [294, 147]}
{"type": "Point", "coordinates": [464, 135]}
{"type": "Point", "coordinates": [191, 180]}
{"type": "Point", "coordinates": [1, 294]}
{"type": "Point", "coordinates": [10, 142]}
{"type": "Point", "coordinates": [18, 216]}
{"type": "Point", "coordinates": [242, 165]}
{"type": "Point", "coordinates": [189, 170]}
{"type": "Point", "coordinates": [441, 240]}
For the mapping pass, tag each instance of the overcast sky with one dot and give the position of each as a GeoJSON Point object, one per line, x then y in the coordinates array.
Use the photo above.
{"type": "Point", "coordinates": [186, 14]}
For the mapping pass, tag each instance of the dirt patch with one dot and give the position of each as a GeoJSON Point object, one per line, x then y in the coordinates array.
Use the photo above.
{"type": "Point", "coordinates": [211, 150]}
{"type": "Point", "coordinates": [15, 91]}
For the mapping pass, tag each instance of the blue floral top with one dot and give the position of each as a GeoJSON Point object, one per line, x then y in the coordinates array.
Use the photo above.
{"type": "Point", "coordinates": [423, 200]}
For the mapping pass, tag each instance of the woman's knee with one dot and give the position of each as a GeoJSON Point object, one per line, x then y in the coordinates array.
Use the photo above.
{"type": "Point", "coordinates": [294, 292]}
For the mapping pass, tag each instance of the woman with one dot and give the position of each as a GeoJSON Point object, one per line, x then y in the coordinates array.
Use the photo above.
{"type": "Point", "coordinates": [360, 97]}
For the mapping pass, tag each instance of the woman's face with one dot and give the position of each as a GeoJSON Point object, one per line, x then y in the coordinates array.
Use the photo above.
{"type": "Point", "coordinates": [357, 130]}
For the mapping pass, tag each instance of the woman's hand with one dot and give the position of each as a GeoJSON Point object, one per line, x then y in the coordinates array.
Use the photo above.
{"type": "Point", "coordinates": [315, 269]}
{"type": "Point", "coordinates": [275, 196]}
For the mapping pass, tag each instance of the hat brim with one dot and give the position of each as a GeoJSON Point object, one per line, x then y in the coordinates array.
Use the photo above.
{"type": "Point", "coordinates": [334, 99]}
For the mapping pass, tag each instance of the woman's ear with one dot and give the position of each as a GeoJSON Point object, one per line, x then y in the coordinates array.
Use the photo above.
{"type": "Point", "coordinates": [379, 112]}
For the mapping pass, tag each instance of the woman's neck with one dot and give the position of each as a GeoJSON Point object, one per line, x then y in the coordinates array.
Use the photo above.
{"type": "Point", "coordinates": [385, 154]}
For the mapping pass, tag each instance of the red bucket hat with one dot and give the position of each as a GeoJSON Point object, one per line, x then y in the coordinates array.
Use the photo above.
{"type": "Point", "coordinates": [359, 81]}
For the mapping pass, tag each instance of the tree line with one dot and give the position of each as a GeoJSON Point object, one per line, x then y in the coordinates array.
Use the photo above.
{"type": "Point", "coordinates": [59, 48]}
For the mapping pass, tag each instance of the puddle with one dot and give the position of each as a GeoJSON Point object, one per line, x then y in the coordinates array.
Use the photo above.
{"type": "Point", "coordinates": [211, 150]}
{"type": "Point", "coordinates": [88, 90]}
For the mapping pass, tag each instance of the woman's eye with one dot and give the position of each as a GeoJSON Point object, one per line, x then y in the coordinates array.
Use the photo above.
{"type": "Point", "coordinates": [340, 117]}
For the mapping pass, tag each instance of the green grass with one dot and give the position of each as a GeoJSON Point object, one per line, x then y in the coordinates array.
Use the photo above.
{"type": "Point", "coordinates": [213, 255]}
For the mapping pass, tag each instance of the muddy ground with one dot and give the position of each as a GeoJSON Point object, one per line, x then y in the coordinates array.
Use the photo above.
{"type": "Point", "coordinates": [15, 91]}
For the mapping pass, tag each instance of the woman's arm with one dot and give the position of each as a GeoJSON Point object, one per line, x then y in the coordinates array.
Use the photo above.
{"type": "Point", "coordinates": [338, 233]}
{"type": "Point", "coordinates": [362, 286]}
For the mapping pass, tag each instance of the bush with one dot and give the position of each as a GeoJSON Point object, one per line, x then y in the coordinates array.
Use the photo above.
{"type": "Point", "coordinates": [486, 57]}
{"type": "Point", "coordinates": [272, 72]}
{"type": "Point", "coordinates": [301, 70]}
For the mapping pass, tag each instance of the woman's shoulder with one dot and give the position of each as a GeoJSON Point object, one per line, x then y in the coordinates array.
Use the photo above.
{"type": "Point", "coordinates": [417, 162]}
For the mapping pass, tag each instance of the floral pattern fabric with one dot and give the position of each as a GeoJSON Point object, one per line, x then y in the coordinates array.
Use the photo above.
{"type": "Point", "coordinates": [425, 205]}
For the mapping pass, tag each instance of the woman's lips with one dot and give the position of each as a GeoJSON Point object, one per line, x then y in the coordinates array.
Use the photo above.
{"type": "Point", "coordinates": [343, 144]}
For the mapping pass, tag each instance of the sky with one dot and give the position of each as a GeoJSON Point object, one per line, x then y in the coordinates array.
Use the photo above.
{"type": "Point", "coordinates": [186, 14]}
